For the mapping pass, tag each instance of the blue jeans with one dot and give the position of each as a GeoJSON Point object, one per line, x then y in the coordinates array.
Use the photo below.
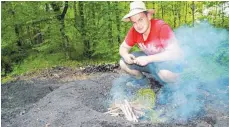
{"type": "Point", "coordinates": [154, 67]}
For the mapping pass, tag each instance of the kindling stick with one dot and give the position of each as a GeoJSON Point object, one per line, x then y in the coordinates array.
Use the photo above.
{"type": "Point", "coordinates": [131, 110]}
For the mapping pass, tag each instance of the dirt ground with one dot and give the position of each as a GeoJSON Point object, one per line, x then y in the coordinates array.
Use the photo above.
{"type": "Point", "coordinates": [64, 97]}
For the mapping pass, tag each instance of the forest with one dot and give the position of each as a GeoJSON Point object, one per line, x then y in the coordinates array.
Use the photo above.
{"type": "Point", "coordinates": [43, 34]}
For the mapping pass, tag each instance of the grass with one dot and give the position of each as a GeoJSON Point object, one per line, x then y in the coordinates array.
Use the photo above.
{"type": "Point", "coordinates": [36, 64]}
{"type": "Point", "coordinates": [7, 79]}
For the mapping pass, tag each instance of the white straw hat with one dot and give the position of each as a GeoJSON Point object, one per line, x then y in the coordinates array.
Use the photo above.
{"type": "Point", "coordinates": [135, 8]}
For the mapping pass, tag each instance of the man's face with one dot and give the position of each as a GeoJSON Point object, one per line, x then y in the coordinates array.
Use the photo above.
{"type": "Point", "coordinates": [140, 22]}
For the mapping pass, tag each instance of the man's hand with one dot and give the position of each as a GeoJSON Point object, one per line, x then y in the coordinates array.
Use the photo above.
{"type": "Point", "coordinates": [129, 58]}
{"type": "Point", "coordinates": [141, 60]}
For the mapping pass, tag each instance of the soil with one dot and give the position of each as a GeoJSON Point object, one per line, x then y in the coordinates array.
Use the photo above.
{"type": "Point", "coordinates": [67, 97]}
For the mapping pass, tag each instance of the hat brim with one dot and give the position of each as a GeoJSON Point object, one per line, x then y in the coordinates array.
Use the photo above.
{"type": "Point", "coordinates": [126, 18]}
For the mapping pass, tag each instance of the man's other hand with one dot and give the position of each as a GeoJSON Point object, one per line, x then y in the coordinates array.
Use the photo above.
{"type": "Point", "coordinates": [141, 60]}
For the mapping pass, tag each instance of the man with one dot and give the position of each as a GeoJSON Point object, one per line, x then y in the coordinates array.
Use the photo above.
{"type": "Point", "coordinates": [159, 47]}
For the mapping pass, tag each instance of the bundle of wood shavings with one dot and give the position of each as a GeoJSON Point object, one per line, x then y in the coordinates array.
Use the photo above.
{"type": "Point", "coordinates": [131, 110]}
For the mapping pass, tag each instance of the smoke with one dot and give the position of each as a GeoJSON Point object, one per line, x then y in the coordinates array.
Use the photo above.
{"type": "Point", "coordinates": [119, 89]}
{"type": "Point", "coordinates": [204, 82]}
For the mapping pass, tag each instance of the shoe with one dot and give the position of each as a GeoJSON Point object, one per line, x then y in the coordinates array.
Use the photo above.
{"type": "Point", "coordinates": [139, 83]}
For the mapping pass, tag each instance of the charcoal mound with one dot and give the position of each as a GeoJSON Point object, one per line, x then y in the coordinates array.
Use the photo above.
{"type": "Point", "coordinates": [80, 103]}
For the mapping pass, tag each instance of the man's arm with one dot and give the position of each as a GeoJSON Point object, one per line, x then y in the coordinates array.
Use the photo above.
{"type": "Point", "coordinates": [172, 52]}
{"type": "Point", "coordinates": [124, 49]}
{"type": "Point", "coordinates": [124, 53]}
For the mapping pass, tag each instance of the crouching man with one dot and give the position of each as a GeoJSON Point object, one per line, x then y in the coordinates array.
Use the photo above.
{"type": "Point", "coordinates": [158, 45]}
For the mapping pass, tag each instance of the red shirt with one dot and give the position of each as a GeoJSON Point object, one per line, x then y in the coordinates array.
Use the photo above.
{"type": "Point", "coordinates": [157, 40]}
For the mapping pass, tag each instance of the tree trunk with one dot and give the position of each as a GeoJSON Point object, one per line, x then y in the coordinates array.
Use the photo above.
{"type": "Point", "coordinates": [62, 26]}
{"type": "Point", "coordinates": [174, 14]}
{"type": "Point", "coordinates": [126, 6]}
{"type": "Point", "coordinates": [60, 17]}
{"type": "Point", "coordinates": [153, 5]}
{"type": "Point", "coordinates": [215, 16]}
{"type": "Point", "coordinates": [179, 13]}
{"type": "Point", "coordinates": [94, 23]}
{"type": "Point", "coordinates": [29, 33]}
{"type": "Point", "coordinates": [46, 7]}
{"type": "Point", "coordinates": [162, 10]}
{"type": "Point", "coordinates": [222, 15]}
{"type": "Point", "coordinates": [154, 9]}
{"type": "Point", "coordinates": [75, 14]}
{"type": "Point", "coordinates": [17, 29]}
{"type": "Point", "coordinates": [118, 22]}
{"type": "Point", "coordinates": [193, 13]}
{"type": "Point", "coordinates": [109, 33]}
{"type": "Point", "coordinates": [83, 30]}
{"type": "Point", "coordinates": [186, 11]}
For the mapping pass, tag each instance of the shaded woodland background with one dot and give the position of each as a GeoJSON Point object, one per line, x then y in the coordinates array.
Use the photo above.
{"type": "Point", "coordinates": [44, 34]}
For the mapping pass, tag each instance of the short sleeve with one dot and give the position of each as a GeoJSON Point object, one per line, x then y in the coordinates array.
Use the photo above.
{"type": "Point", "coordinates": [130, 37]}
{"type": "Point", "coordinates": [166, 35]}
